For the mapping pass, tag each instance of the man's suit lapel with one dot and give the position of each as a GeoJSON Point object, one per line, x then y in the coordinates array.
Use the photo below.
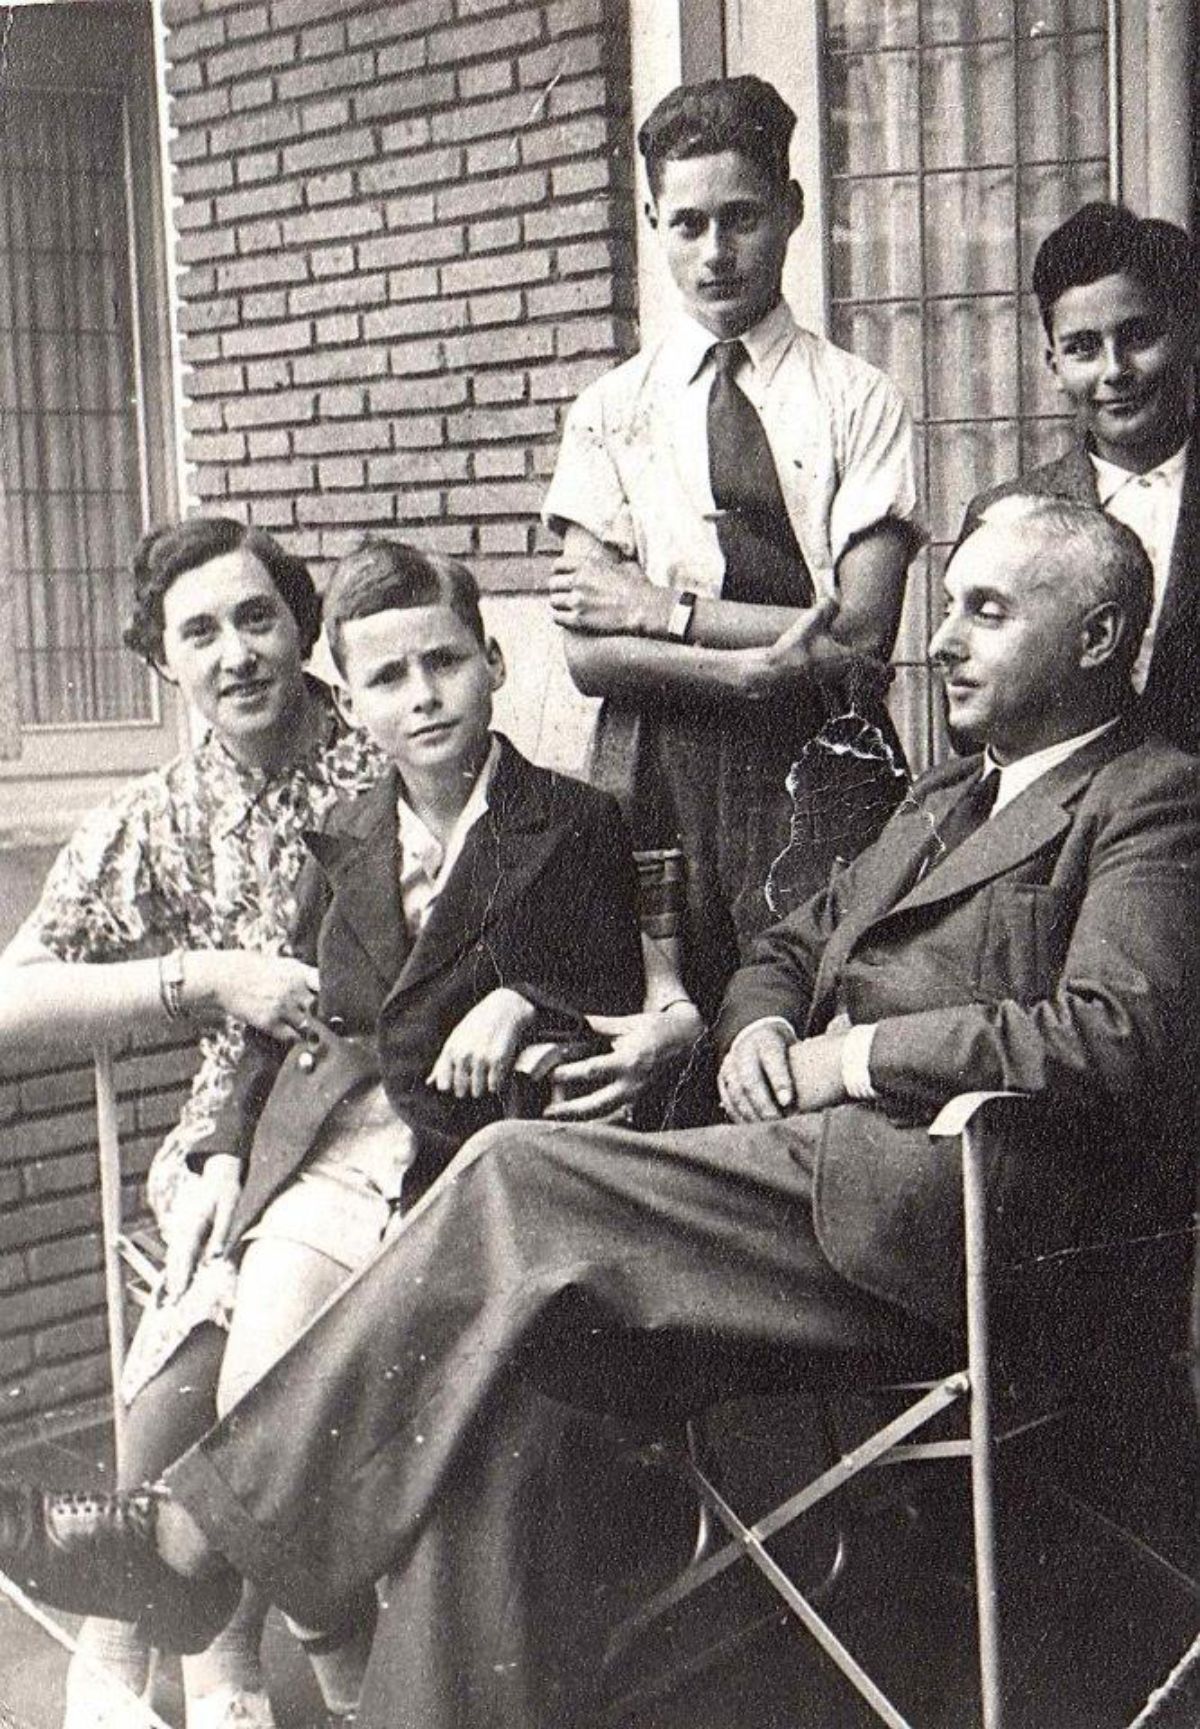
{"type": "Point", "coordinates": [1035, 818]}
{"type": "Point", "coordinates": [360, 861]}
{"type": "Point", "coordinates": [998, 846]}
{"type": "Point", "coordinates": [504, 852]}
{"type": "Point", "coordinates": [897, 870]}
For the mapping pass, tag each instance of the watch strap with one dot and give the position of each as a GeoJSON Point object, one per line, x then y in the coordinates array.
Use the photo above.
{"type": "Point", "coordinates": [679, 624]}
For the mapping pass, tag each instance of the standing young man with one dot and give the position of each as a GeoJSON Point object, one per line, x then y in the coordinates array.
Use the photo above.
{"type": "Point", "coordinates": [1120, 302]}
{"type": "Point", "coordinates": [738, 482]}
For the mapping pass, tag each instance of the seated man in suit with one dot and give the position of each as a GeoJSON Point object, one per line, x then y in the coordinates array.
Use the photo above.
{"type": "Point", "coordinates": [1120, 303]}
{"type": "Point", "coordinates": [1050, 944]}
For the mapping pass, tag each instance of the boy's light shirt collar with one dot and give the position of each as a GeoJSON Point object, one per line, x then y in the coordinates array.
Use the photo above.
{"type": "Point", "coordinates": [687, 344]}
{"type": "Point", "coordinates": [1111, 477]}
{"type": "Point", "coordinates": [1149, 504]}
{"type": "Point", "coordinates": [1015, 777]}
{"type": "Point", "coordinates": [425, 864]}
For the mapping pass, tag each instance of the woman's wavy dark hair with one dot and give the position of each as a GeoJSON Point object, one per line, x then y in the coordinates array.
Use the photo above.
{"type": "Point", "coordinates": [167, 553]}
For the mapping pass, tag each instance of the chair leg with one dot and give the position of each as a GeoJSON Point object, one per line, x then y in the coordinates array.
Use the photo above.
{"type": "Point", "coordinates": [701, 1454]}
{"type": "Point", "coordinates": [987, 1595]}
{"type": "Point", "coordinates": [109, 1157]}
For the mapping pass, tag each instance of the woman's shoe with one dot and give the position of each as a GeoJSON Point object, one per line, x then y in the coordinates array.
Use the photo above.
{"type": "Point", "coordinates": [96, 1555]}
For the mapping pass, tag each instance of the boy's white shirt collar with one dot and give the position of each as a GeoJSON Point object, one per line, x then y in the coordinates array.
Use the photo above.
{"type": "Point", "coordinates": [686, 346]}
{"type": "Point", "coordinates": [1111, 477]}
{"type": "Point", "coordinates": [425, 864]}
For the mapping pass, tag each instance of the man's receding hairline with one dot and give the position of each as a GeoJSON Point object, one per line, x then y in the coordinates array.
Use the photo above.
{"type": "Point", "coordinates": [1034, 533]}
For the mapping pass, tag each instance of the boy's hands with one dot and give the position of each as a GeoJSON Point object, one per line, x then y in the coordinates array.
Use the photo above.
{"type": "Point", "coordinates": [644, 1046]}
{"type": "Point", "coordinates": [478, 1056]}
{"type": "Point", "coordinates": [604, 597]}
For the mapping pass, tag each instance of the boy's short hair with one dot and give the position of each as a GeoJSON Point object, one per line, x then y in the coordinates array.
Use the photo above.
{"type": "Point", "coordinates": [385, 575]}
{"type": "Point", "coordinates": [169, 552]}
{"type": "Point", "coordinates": [745, 114]}
{"type": "Point", "coordinates": [1103, 239]}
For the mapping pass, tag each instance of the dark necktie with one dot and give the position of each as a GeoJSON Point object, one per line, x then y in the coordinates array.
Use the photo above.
{"type": "Point", "coordinates": [763, 561]}
{"type": "Point", "coordinates": [962, 819]}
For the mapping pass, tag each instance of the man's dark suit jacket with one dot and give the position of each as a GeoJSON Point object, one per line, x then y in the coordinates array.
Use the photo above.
{"type": "Point", "coordinates": [1172, 695]}
{"type": "Point", "coordinates": [1056, 952]}
{"type": "Point", "coordinates": [543, 898]}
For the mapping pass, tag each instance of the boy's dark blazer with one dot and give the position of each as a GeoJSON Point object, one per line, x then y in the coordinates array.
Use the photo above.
{"type": "Point", "coordinates": [543, 898]}
{"type": "Point", "coordinates": [1055, 952]}
{"type": "Point", "coordinates": [1171, 699]}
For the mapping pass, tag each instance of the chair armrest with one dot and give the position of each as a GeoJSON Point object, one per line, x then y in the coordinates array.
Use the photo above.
{"type": "Point", "coordinates": [959, 1114]}
{"type": "Point", "coordinates": [530, 1085]}
{"type": "Point", "coordinates": [537, 1061]}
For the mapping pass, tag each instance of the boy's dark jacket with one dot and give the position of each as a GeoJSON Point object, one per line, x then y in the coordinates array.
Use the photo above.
{"type": "Point", "coordinates": [543, 898]}
{"type": "Point", "coordinates": [1170, 703]}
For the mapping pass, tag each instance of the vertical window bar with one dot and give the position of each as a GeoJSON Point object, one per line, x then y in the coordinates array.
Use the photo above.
{"type": "Point", "coordinates": [1112, 15]}
{"type": "Point", "coordinates": [1018, 227]}
{"type": "Point", "coordinates": [926, 404]}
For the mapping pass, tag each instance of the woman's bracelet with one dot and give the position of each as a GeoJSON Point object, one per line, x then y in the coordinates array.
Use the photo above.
{"type": "Point", "coordinates": [170, 984]}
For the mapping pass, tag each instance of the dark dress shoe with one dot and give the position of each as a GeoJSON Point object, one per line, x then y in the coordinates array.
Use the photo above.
{"type": "Point", "coordinates": [96, 1555]}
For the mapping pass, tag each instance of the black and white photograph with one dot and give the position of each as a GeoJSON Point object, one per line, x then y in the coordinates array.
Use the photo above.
{"type": "Point", "coordinates": [599, 864]}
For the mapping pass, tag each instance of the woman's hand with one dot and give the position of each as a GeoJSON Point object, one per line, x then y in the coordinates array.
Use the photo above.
{"type": "Point", "coordinates": [274, 993]}
{"type": "Point", "coordinates": [478, 1056]}
{"type": "Point", "coordinates": [644, 1047]}
{"type": "Point", "coordinates": [199, 1223]}
{"type": "Point", "coordinates": [604, 597]}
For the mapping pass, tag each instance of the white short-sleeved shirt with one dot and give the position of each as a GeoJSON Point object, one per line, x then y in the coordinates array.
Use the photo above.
{"type": "Point", "coordinates": [633, 467]}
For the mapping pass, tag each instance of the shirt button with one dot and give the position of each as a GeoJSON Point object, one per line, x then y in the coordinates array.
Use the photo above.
{"type": "Point", "coordinates": [306, 1062]}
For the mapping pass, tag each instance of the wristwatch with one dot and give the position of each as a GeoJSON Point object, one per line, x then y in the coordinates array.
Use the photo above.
{"type": "Point", "coordinates": [679, 624]}
{"type": "Point", "coordinates": [170, 984]}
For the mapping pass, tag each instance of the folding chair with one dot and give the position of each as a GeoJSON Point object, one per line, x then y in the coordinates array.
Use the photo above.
{"type": "Point", "coordinates": [118, 1250]}
{"type": "Point", "coordinates": [969, 1118]}
{"type": "Point", "coordinates": [131, 1267]}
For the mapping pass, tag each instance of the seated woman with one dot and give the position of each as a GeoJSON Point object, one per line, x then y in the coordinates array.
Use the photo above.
{"type": "Point", "coordinates": [201, 856]}
{"type": "Point", "coordinates": [175, 900]}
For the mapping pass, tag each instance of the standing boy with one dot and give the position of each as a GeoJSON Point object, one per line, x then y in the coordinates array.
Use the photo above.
{"type": "Point", "coordinates": [1119, 297]}
{"type": "Point", "coordinates": [738, 480]}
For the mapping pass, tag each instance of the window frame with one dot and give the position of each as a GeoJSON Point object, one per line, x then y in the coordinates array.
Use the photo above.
{"type": "Point", "coordinates": [55, 768]}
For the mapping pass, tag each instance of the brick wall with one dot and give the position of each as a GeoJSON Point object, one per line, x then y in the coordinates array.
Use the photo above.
{"type": "Point", "coordinates": [53, 1338]}
{"type": "Point", "coordinates": [404, 239]}
{"type": "Point", "coordinates": [405, 233]}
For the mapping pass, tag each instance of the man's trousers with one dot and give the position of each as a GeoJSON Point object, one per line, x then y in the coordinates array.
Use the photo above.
{"type": "Point", "coordinates": [448, 1423]}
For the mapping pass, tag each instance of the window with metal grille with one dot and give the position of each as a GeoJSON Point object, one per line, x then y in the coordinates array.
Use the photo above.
{"type": "Point", "coordinates": [72, 479]}
{"type": "Point", "coordinates": [960, 133]}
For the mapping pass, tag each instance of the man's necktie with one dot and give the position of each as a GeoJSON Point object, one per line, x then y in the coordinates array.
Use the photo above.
{"type": "Point", "coordinates": [962, 819]}
{"type": "Point", "coordinates": [763, 561]}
